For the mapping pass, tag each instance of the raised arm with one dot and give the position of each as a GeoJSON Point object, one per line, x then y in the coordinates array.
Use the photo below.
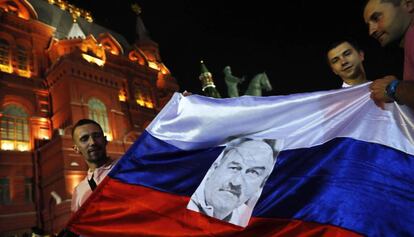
{"type": "Point", "coordinates": [389, 89]}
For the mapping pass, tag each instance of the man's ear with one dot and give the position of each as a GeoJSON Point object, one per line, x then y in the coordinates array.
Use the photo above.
{"type": "Point", "coordinates": [76, 149]}
{"type": "Point", "coordinates": [362, 55]}
{"type": "Point", "coordinates": [214, 165]}
{"type": "Point", "coordinates": [409, 5]}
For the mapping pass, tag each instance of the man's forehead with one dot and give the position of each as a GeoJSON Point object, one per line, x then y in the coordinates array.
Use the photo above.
{"type": "Point", "coordinates": [374, 6]}
{"type": "Point", "coordinates": [374, 3]}
{"type": "Point", "coordinates": [250, 157]}
{"type": "Point", "coordinates": [86, 129]}
{"type": "Point", "coordinates": [340, 49]}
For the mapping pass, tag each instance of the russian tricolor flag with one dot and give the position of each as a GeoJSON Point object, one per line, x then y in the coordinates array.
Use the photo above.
{"type": "Point", "coordinates": [344, 168]}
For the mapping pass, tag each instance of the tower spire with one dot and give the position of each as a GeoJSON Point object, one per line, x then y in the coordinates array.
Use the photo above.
{"type": "Point", "coordinates": [142, 39]}
{"type": "Point", "coordinates": [141, 31]}
{"type": "Point", "coordinates": [207, 82]}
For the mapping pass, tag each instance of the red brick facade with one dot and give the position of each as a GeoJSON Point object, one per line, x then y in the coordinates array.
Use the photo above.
{"type": "Point", "coordinates": [51, 75]}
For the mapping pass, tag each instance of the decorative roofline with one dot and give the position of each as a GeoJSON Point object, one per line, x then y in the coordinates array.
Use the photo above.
{"type": "Point", "coordinates": [73, 10]}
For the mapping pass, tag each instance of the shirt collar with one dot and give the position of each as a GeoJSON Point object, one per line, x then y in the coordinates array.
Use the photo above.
{"type": "Point", "coordinates": [345, 85]}
{"type": "Point", "coordinates": [108, 165]}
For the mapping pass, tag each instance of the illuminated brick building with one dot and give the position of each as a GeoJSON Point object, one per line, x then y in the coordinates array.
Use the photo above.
{"type": "Point", "coordinates": [56, 67]}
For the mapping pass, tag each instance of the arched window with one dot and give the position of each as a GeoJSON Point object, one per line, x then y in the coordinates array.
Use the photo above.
{"type": "Point", "coordinates": [11, 7]}
{"type": "Point", "coordinates": [5, 56]}
{"type": "Point", "coordinates": [97, 112]}
{"type": "Point", "coordinates": [21, 57]}
{"type": "Point", "coordinates": [19, 8]}
{"type": "Point", "coordinates": [22, 61]}
{"type": "Point", "coordinates": [14, 128]}
{"type": "Point", "coordinates": [143, 97]}
{"type": "Point", "coordinates": [4, 191]}
{"type": "Point", "coordinates": [28, 190]}
{"type": "Point", "coordinates": [139, 97]}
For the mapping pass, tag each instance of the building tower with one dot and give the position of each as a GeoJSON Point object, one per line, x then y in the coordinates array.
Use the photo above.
{"type": "Point", "coordinates": [57, 66]}
{"type": "Point", "coordinates": [207, 82]}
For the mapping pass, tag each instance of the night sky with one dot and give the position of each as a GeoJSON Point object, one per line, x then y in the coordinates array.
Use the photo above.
{"type": "Point", "coordinates": [286, 39]}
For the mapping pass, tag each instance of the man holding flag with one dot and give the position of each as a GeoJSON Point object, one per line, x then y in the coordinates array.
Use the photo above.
{"type": "Point", "coordinates": [344, 169]}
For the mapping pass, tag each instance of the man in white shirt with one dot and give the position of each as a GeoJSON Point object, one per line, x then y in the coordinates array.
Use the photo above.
{"type": "Point", "coordinates": [345, 59]}
{"type": "Point", "coordinates": [90, 141]}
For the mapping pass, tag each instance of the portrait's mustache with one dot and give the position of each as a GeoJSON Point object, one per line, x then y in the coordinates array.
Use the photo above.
{"type": "Point", "coordinates": [234, 189]}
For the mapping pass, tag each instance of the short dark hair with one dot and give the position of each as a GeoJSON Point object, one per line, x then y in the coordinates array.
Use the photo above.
{"type": "Point", "coordinates": [335, 44]}
{"type": "Point", "coordinates": [83, 122]}
{"type": "Point", "coordinates": [393, 2]}
{"type": "Point", "coordinates": [238, 141]}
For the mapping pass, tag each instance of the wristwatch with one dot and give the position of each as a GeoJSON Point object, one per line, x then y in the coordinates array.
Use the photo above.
{"type": "Point", "coordinates": [391, 89]}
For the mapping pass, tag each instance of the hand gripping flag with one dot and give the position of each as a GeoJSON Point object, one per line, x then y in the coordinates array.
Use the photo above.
{"type": "Point", "coordinates": [344, 167]}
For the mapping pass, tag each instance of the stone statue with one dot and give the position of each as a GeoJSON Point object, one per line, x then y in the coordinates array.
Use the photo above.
{"type": "Point", "coordinates": [231, 82]}
{"type": "Point", "coordinates": [258, 83]}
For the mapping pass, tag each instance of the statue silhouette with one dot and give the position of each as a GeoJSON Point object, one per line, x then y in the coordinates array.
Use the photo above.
{"type": "Point", "coordinates": [258, 83]}
{"type": "Point", "coordinates": [231, 82]}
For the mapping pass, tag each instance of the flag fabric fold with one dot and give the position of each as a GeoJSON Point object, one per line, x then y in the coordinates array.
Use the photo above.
{"type": "Point", "coordinates": [345, 169]}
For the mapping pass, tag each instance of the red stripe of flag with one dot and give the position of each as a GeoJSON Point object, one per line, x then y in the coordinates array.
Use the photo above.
{"type": "Point", "coordinates": [119, 209]}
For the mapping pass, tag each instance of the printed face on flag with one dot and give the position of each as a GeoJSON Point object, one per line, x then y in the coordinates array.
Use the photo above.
{"type": "Point", "coordinates": [234, 183]}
